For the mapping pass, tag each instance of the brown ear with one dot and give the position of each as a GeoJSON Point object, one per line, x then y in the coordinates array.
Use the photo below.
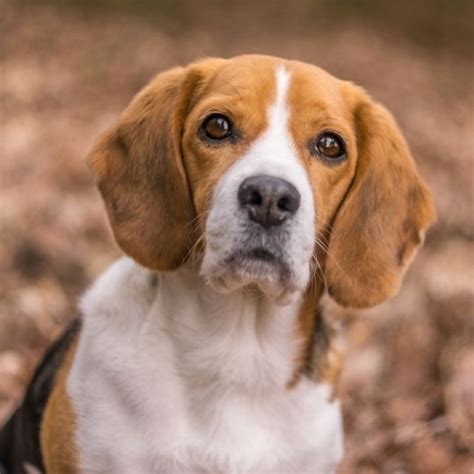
{"type": "Point", "coordinates": [383, 217]}
{"type": "Point", "coordinates": [141, 176]}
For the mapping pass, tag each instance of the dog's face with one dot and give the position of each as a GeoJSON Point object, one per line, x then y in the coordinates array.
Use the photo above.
{"type": "Point", "coordinates": [267, 157]}
{"type": "Point", "coordinates": [252, 164]}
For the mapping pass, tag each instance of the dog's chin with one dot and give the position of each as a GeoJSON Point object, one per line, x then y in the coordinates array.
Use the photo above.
{"type": "Point", "coordinates": [255, 269]}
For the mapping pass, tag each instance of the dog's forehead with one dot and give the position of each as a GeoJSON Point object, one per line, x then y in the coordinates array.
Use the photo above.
{"type": "Point", "coordinates": [254, 80]}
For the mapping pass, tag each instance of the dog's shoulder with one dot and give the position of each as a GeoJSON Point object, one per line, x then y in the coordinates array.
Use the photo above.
{"type": "Point", "coordinates": [124, 288]}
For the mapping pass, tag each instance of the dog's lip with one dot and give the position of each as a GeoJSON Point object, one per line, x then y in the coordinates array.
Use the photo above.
{"type": "Point", "coordinates": [255, 266]}
{"type": "Point", "coordinates": [261, 254]}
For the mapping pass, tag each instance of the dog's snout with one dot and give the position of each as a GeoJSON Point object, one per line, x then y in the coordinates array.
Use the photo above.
{"type": "Point", "coordinates": [268, 200]}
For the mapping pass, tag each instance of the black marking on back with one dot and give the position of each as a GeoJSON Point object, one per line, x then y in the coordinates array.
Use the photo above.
{"type": "Point", "coordinates": [19, 439]}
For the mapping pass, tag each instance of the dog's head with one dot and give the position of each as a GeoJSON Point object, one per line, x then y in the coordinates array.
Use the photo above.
{"type": "Point", "coordinates": [250, 164]}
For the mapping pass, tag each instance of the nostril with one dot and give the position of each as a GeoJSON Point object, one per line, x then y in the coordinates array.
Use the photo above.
{"type": "Point", "coordinates": [283, 203]}
{"type": "Point", "coordinates": [255, 198]}
{"type": "Point", "coordinates": [249, 195]}
{"type": "Point", "coordinates": [289, 202]}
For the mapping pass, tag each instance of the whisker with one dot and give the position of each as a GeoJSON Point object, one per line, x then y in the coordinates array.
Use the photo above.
{"type": "Point", "coordinates": [320, 271]}
{"type": "Point", "coordinates": [192, 251]}
{"type": "Point", "coordinates": [326, 250]}
{"type": "Point", "coordinates": [194, 226]}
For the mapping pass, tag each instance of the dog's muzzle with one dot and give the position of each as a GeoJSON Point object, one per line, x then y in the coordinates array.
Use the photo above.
{"type": "Point", "coordinates": [259, 233]}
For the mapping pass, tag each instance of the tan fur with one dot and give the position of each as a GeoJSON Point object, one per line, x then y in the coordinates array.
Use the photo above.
{"type": "Point", "coordinates": [141, 177]}
{"type": "Point", "coordinates": [384, 215]}
{"type": "Point", "coordinates": [318, 358]}
{"type": "Point", "coordinates": [57, 435]}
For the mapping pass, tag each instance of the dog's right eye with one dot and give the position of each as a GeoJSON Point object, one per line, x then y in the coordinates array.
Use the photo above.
{"type": "Point", "coordinates": [216, 127]}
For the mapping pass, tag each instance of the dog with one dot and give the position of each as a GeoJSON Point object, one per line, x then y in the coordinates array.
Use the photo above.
{"type": "Point", "coordinates": [240, 190]}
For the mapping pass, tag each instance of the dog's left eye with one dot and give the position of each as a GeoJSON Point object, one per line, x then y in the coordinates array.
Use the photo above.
{"type": "Point", "coordinates": [329, 146]}
{"type": "Point", "coordinates": [217, 127]}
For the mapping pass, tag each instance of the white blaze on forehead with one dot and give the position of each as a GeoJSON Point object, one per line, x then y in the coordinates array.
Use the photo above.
{"type": "Point", "coordinates": [276, 143]}
{"type": "Point", "coordinates": [279, 110]}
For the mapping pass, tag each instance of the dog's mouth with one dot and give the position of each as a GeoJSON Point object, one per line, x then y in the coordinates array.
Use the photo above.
{"type": "Point", "coordinates": [257, 254]}
{"type": "Point", "coordinates": [257, 267]}
{"type": "Point", "coordinates": [259, 264]}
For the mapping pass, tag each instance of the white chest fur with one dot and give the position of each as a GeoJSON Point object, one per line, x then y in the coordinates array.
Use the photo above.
{"type": "Point", "coordinates": [171, 377]}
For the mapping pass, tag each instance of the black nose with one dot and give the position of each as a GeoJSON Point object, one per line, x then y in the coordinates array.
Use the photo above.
{"type": "Point", "coordinates": [269, 200]}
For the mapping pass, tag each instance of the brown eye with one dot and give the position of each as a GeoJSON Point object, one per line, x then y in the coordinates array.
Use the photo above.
{"type": "Point", "coordinates": [329, 146]}
{"type": "Point", "coordinates": [217, 127]}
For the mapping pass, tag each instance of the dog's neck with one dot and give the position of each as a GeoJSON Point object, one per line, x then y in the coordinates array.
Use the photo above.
{"type": "Point", "coordinates": [241, 339]}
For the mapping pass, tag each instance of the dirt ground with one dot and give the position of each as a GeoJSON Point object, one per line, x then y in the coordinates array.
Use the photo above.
{"type": "Point", "coordinates": [408, 385]}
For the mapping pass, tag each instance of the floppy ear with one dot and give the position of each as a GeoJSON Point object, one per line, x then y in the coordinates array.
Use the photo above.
{"type": "Point", "coordinates": [383, 217]}
{"type": "Point", "coordinates": [141, 176]}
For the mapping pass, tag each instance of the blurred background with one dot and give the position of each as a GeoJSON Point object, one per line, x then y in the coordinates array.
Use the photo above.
{"type": "Point", "coordinates": [68, 68]}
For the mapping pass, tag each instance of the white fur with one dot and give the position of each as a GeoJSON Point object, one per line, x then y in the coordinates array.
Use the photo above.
{"type": "Point", "coordinates": [271, 154]}
{"type": "Point", "coordinates": [176, 378]}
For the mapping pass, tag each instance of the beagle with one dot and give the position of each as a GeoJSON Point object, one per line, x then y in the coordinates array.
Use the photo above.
{"type": "Point", "coordinates": [240, 189]}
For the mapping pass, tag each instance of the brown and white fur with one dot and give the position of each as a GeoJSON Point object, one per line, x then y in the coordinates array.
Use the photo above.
{"type": "Point", "coordinates": [197, 352]}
